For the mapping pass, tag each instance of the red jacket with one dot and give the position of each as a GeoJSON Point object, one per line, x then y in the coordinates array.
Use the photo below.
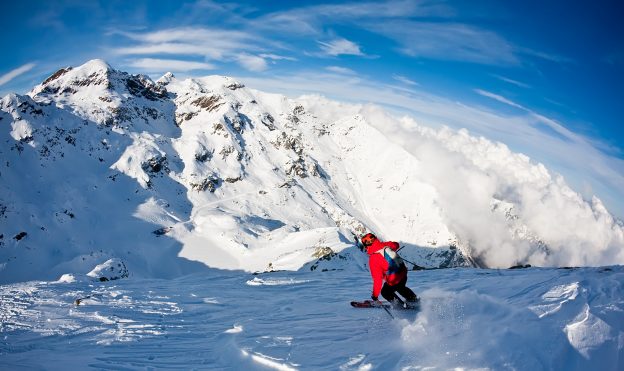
{"type": "Point", "coordinates": [379, 266]}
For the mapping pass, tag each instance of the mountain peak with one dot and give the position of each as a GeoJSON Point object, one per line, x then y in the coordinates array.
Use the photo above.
{"type": "Point", "coordinates": [95, 65]}
{"type": "Point", "coordinates": [69, 80]}
{"type": "Point", "coordinates": [98, 77]}
{"type": "Point", "coordinates": [166, 78]}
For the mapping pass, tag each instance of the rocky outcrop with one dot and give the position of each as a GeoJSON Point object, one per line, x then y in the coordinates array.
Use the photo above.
{"type": "Point", "coordinates": [110, 270]}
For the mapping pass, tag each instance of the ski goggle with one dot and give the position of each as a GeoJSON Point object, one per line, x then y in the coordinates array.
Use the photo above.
{"type": "Point", "coordinates": [368, 239]}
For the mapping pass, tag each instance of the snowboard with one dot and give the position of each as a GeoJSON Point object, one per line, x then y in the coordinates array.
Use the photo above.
{"type": "Point", "coordinates": [384, 304]}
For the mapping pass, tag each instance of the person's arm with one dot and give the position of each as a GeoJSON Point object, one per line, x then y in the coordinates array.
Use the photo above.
{"type": "Point", "coordinates": [393, 245]}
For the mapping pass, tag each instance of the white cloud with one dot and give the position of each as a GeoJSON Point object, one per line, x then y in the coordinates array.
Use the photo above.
{"type": "Point", "coordinates": [448, 41]}
{"type": "Point", "coordinates": [340, 70]}
{"type": "Point", "coordinates": [210, 43]}
{"type": "Point", "coordinates": [309, 20]}
{"type": "Point", "coordinates": [397, 20]}
{"type": "Point", "coordinates": [198, 35]}
{"type": "Point", "coordinates": [276, 57]}
{"type": "Point", "coordinates": [173, 49]}
{"type": "Point", "coordinates": [173, 65]}
{"type": "Point", "coordinates": [16, 72]}
{"type": "Point", "coordinates": [498, 98]}
{"type": "Point", "coordinates": [252, 62]}
{"type": "Point", "coordinates": [511, 81]}
{"type": "Point", "coordinates": [340, 46]}
{"type": "Point", "coordinates": [545, 56]}
{"type": "Point", "coordinates": [552, 124]}
{"type": "Point", "coordinates": [405, 80]}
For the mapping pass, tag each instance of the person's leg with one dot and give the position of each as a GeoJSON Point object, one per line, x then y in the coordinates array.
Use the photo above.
{"type": "Point", "coordinates": [405, 291]}
{"type": "Point", "coordinates": [387, 292]}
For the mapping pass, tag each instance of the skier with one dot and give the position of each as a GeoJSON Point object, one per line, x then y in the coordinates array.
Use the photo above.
{"type": "Point", "coordinates": [382, 269]}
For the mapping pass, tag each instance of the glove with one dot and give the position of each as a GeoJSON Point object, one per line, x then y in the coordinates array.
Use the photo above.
{"type": "Point", "coordinates": [374, 298]}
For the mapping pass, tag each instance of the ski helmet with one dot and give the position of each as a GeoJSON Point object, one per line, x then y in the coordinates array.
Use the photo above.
{"type": "Point", "coordinates": [368, 239]}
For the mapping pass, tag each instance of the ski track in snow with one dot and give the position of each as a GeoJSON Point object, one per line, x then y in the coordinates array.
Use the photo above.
{"type": "Point", "coordinates": [530, 319]}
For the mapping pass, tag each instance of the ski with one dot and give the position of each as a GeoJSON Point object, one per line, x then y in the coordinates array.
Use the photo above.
{"type": "Point", "coordinates": [384, 304]}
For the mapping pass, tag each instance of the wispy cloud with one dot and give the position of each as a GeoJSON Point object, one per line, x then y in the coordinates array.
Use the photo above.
{"type": "Point", "coordinates": [552, 124]}
{"type": "Point", "coordinates": [545, 56]}
{"type": "Point", "coordinates": [449, 41]}
{"type": "Point", "coordinates": [212, 43]}
{"type": "Point", "coordinates": [443, 36]}
{"type": "Point", "coordinates": [498, 98]}
{"type": "Point", "coordinates": [169, 48]}
{"type": "Point", "coordinates": [340, 70]}
{"type": "Point", "coordinates": [405, 80]}
{"type": "Point", "coordinates": [173, 65]}
{"type": "Point", "coordinates": [446, 40]}
{"type": "Point", "coordinates": [340, 46]}
{"type": "Point", "coordinates": [309, 20]}
{"type": "Point", "coordinates": [276, 57]}
{"type": "Point", "coordinates": [252, 62]}
{"type": "Point", "coordinates": [219, 45]}
{"type": "Point", "coordinates": [16, 72]}
{"type": "Point", "coordinates": [200, 35]}
{"type": "Point", "coordinates": [511, 81]}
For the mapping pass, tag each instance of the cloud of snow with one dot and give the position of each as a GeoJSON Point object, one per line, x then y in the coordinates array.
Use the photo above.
{"type": "Point", "coordinates": [474, 176]}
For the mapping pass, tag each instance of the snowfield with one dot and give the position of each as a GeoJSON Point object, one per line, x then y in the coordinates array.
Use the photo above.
{"type": "Point", "coordinates": [524, 319]}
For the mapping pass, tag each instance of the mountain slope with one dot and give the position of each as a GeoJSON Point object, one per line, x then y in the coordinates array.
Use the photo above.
{"type": "Point", "coordinates": [174, 175]}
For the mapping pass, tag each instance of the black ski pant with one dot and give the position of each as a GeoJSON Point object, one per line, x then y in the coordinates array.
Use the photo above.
{"type": "Point", "coordinates": [389, 291]}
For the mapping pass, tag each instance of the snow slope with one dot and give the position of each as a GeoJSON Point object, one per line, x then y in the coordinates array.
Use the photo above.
{"type": "Point", "coordinates": [174, 176]}
{"type": "Point", "coordinates": [524, 319]}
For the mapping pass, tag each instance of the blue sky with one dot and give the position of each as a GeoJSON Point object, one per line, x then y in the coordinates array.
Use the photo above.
{"type": "Point", "coordinates": [545, 78]}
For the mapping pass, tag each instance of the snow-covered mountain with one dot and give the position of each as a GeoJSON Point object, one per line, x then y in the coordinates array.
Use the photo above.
{"type": "Point", "coordinates": [174, 175]}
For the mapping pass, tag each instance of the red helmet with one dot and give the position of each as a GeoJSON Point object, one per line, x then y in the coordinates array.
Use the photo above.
{"type": "Point", "coordinates": [368, 239]}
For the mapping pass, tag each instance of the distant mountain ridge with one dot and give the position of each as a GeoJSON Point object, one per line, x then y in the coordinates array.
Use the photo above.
{"type": "Point", "coordinates": [173, 175]}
